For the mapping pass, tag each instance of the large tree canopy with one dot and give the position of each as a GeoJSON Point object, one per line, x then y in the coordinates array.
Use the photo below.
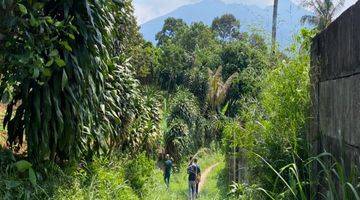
{"type": "Point", "coordinates": [226, 27]}
{"type": "Point", "coordinates": [171, 27]}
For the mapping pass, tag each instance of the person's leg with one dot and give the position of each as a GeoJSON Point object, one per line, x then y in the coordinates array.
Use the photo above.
{"type": "Point", "coordinates": [197, 189]}
{"type": "Point", "coordinates": [189, 182]}
{"type": "Point", "coordinates": [193, 190]}
{"type": "Point", "coordinates": [167, 181]}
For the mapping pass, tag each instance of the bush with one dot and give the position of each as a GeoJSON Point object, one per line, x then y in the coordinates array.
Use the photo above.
{"type": "Point", "coordinates": [104, 178]}
{"type": "Point", "coordinates": [273, 122]}
{"type": "Point", "coordinates": [138, 170]}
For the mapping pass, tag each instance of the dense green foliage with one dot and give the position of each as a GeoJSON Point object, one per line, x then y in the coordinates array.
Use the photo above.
{"type": "Point", "coordinates": [94, 105]}
{"type": "Point", "coordinates": [274, 123]}
{"type": "Point", "coordinates": [64, 71]}
{"type": "Point", "coordinates": [227, 27]}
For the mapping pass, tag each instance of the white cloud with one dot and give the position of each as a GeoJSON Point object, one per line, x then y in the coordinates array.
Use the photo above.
{"type": "Point", "coordinates": [146, 10]}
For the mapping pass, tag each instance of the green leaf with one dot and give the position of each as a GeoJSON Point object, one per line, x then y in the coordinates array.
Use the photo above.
{"type": "Point", "coordinates": [36, 72]}
{"type": "Point", "coordinates": [32, 176]}
{"type": "Point", "coordinates": [71, 36]}
{"type": "Point", "coordinates": [49, 20]}
{"type": "Point", "coordinates": [74, 28]}
{"type": "Point", "coordinates": [54, 52]}
{"type": "Point", "coordinates": [50, 62]}
{"type": "Point", "coordinates": [64, 80]}
{"type": "Point", "coordinates": [58, 24]}
{"type": "Point", "coordinates": [38, 5]}
{"type": "Point", "coordinates": [66, 45]}
{"type": "Point", "coordinates": [47, 72]}
{"type": "Point", "coordinates": [60, 62]}
{"type": "Point", "coordinates": [33, 21]}
{"type": "Point", "coordinates": [23, 165]}
{"type": "Point", "coordinates": [22, 9]}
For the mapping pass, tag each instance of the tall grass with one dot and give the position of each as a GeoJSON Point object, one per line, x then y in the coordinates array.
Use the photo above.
{"type": "Point", "coordinates": [329, 181]}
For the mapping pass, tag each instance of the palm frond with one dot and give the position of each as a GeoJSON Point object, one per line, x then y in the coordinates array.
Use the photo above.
{"type": "Point", "coordinates": [310, 19]}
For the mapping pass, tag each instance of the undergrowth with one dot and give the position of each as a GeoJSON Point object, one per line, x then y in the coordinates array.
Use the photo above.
{"type": "Point", "coordinates": [103, 178]}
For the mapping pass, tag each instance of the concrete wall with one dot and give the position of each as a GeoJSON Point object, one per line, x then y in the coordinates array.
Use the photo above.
{"type": "Point", "coordinates": [335, 77]}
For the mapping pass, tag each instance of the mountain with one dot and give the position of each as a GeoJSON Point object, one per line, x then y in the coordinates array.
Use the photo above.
{"type": "Point", "coordinates": [250, 17]}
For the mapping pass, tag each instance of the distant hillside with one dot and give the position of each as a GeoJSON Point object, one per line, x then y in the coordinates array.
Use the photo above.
{"type": "Point", "coordinates": [249, 16]}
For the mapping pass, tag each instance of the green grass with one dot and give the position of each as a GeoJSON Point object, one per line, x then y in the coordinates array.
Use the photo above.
{"type": "Point", "coordinates": [216, 186]}
{"type": "Point", "coordinates": [156, 189]}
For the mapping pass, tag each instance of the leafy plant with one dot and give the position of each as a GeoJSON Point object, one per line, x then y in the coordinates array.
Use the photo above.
{"type": "Point", "coordinates": [57, 62]}
{"type": "Point", "coordinates": [325, 11]}
{"type": "Point", "coordinates": [217, 89]}
{"type": "Point", "coordinates": [138, 170]}
{"type": "Point", "coordinates": [23, 166]}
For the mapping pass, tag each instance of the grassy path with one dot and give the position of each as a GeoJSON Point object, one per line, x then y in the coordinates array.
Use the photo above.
{"type": "Point", "coordinates": [213, 186]}
{"type": "Point", "coordinates": [205, 174]}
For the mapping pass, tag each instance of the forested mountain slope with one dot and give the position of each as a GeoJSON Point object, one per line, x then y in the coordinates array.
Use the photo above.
{"type": "Point", "coordinates": [250, 17]}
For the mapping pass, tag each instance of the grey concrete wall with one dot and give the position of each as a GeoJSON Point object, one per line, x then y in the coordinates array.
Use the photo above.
{"type": "Point", "coordinates": [335, 79]}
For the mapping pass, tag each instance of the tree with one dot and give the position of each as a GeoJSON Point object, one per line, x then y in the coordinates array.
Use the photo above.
{"type": "Point", "coordinates": [171, 27]}
{"type": "Point", "coordinates": [173, 63]}
{"type": "Point", "coordinates": [217, 89]}
{"type": "Point", "coordinates": [325, 11]}
{"type": "Point", "coordinates": [197, 36]}
{"type": "Point", "coordinates": [274, 25]}
{"type": "Point", "coordinates": [145, 60]}
{"type": "Point", "coordinates": [226, 27]}
{"type": "Point", "coordinates": [56, 66]}
{"type": "Point", "coordinates": [183, 135]}
{"type": "Point", "coordinates": [247, 60]}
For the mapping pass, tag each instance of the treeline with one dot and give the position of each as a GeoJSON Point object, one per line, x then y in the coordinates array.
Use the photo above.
{"type": "Point", "coordinates": [204, 71]}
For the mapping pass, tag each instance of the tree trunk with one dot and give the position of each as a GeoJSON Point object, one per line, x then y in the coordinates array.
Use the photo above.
{"type": "Point", "coordinates": [274, 25]}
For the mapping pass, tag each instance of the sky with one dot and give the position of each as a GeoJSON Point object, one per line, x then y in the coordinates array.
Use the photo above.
{"type": "Point", "coordinates": [146, 10]}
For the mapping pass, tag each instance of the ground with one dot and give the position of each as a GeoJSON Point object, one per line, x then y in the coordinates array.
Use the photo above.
{"type": "Point", "coordinates": [213, 181]}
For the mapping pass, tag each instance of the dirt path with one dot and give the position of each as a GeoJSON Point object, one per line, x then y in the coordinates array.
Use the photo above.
{"type": "Point", "coordinates": [205, 174]}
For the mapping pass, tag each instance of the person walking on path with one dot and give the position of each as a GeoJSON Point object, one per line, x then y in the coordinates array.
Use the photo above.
{"type": "Point", "coordinates": [167, 171]}
{"type": "Point", "coordinates": [194, 172]}
{"type": "Point", "coordinates": [198, 177]}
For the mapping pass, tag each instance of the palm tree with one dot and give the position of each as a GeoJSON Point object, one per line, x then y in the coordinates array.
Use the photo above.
{"type": "Point", "coordinates": [217, 89]}
{"type": "Point", "coordinates": [274, 25]}
{"type": "Point", "coordinates": [325, 11]}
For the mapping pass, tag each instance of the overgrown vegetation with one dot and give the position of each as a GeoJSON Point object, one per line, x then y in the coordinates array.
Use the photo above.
{"type": "Point", "coordinates": [96, 108]}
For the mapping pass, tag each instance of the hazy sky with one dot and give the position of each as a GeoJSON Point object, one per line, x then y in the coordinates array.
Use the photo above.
{"type": "Point", "coordinates": [146, 10]}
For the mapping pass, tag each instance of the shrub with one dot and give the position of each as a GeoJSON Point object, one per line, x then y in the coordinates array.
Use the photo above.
{"type": "Point", "coordinates": [138, 170]}
{"type": "Point", "coordinates": [272, 124]}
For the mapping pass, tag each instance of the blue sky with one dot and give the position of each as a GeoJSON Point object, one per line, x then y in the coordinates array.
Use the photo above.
{"type": "Point", "coordinates": [146, 10]}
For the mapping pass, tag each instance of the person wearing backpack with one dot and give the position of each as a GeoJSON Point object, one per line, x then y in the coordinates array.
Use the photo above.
{"type": "Point", "coordinates": [193, 172]}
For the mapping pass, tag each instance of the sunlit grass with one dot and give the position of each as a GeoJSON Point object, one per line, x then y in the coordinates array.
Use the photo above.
{"type": "Point", "coordinates": [179, 181]}
{"type": "Point", "coordinates": [216, 186]}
